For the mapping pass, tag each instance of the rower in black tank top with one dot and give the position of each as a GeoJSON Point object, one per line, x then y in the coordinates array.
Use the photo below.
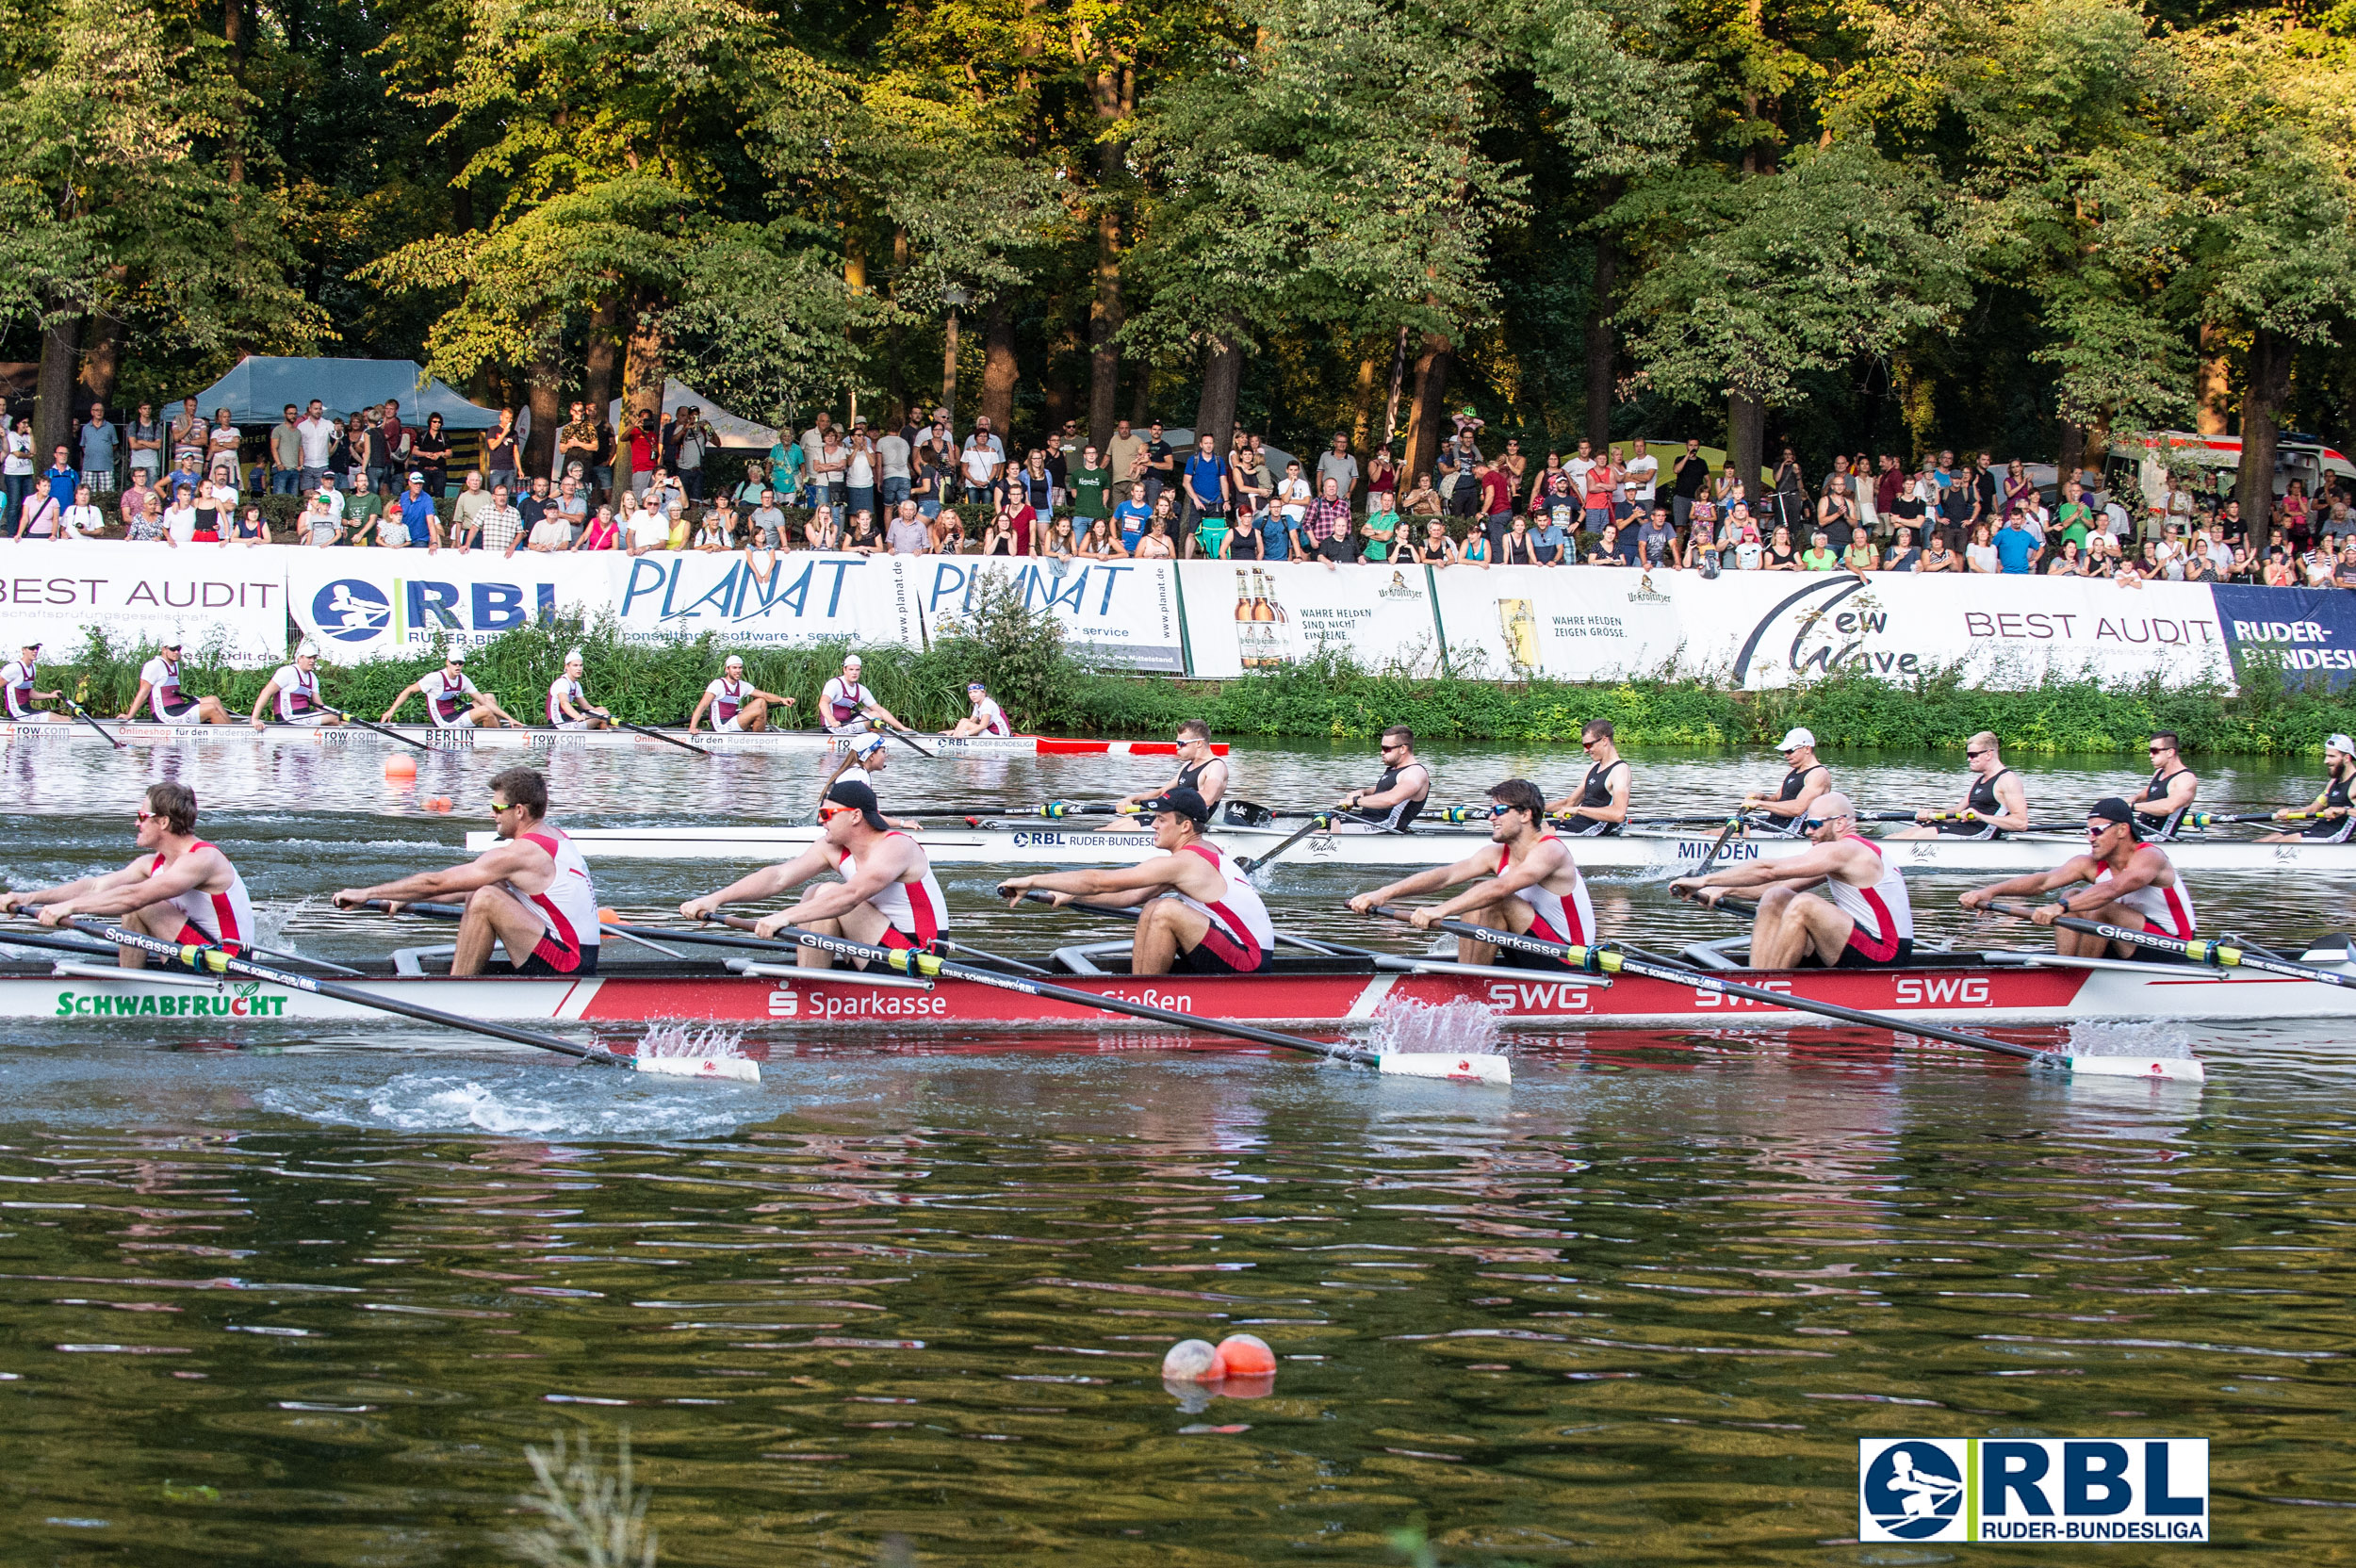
{"type": "Point", "coordinates": [2333, 830]}
{"type": "Point", "coordinates": [2157, 830]}
{"type": "Point", "coordinates": [1403, 814]}
{"type": "Point", "coordinates": [1766, 825]}
{"type": "Point", "coordinates": [1595, 793]}
{"type": "Point", "coordinates": [1983, 800]}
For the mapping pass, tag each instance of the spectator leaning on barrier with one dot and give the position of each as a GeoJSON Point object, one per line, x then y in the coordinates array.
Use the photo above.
{"type": "Point", "coordinates": [503, 526]}
{"type": "Point", "coordinates": [1328, 529]}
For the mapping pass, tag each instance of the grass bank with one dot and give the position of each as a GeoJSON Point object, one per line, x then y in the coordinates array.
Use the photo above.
{"type": "Point", "coordinates": [1044, 689]}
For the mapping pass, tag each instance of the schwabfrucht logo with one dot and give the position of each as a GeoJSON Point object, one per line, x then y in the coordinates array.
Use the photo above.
{"type": "Point", "coordinates": [2088, 1491]}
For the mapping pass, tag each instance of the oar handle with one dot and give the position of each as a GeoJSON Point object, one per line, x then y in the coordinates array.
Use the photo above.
{"type": "Point", "coordinates": [2199, 950]}
{"type": "Point", "coordinates": [657, 734]}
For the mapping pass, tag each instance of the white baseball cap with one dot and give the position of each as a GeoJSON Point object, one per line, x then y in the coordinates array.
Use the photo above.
{"type": "Point", "coordinates": [306, 649]}
{"type": "Point", "coordinates": [850, 659]}
{"type": "Point", "coordinates": [572, 655]}
{"type": "Point", "coordinates": [867, 748]}
{"type": "Point", "coordinates": [1795, 738]}
{"type": "Point", "coordinates": [2342, 745]}
{"type": "Point", "coordinates": [735, 661]}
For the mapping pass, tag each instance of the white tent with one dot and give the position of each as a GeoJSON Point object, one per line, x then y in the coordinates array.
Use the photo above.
{"type": "Point", "coordinates": [732, 431]}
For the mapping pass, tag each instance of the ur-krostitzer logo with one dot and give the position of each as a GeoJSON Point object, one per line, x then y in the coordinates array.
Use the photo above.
{"type": "Point", "coordinates": [2049, 1489]}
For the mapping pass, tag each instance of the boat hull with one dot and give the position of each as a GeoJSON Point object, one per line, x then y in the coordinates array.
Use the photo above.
{"type": "Point", "coordinates": [1969, 995]}
{"type": "Point", "coordinates": [569, 740]}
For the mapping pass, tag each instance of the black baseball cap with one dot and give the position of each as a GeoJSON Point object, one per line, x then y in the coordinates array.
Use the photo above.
{"type": "Point", "coordinates": [851, 792]}
{"type": "Point", "coordinates": [1187, 803]}
{"type": "Point", "coordinates": [2112, 809]}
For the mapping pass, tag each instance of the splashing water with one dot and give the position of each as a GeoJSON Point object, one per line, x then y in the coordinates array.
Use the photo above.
{"type": "Point", "coordinates": [683, 1039]}
{"type": "Point", "coordinates": [2120, 1037]}
{"type": "Point", "coordinates": [1459, 1027]}
{"type": "Point", "coordinates": [535, 1101]}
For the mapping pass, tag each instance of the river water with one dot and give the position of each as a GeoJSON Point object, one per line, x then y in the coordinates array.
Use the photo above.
{"type": "Point", "coordinates": [305, 1297]}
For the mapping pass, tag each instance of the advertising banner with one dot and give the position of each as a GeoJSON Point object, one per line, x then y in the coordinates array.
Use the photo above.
{"type": "Point", "coordinates": [1262, 614]}
{"type": "Point", "coordinates": [2305, 635]}
{"type": "Point", "coordinates": [806, 597]}
{"type": "Point", "coordinates": [1120, 615]}
{"type": "Point", "coordinates": [229, 600]}
{"type": "Point", "coordinates": [1762, 629]}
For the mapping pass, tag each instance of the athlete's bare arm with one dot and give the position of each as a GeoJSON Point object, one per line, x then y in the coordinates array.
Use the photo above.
{"type": "Point", "coordinates": [138, 699]}
{"type": "Point", "coordinates": [81, 886]}
{"type": "Point", "coordinates": [890, 861]}
{"type": "Point", "coordinates": [768, 882]}
{"type": "Point", "coordinates": [1818, 780]}
{"type": "Point", "coordinates": [2181, 791]}
{"type": "Point", "coordinates": [1480, 863]}
{"type": "Point", "coordinates": [136, 889]}
{"type": "Point", "coordinates": [520, 862]}
{"type": "Point", "coordinates": [1614, 809]}
{"type": "Point", "coordinates": [1545, 859]}
{"type": "Point", "coordinates": [2012, 799]}
{"type": "Point", "coordinates": [1818, 864]}
{"type": "Point", "coordinates": [270, 694]}
{"type": "Point", "coordinates": [1123, 886]}
{"type": "Point", "coordinates": [2078, 868]}
{"type": "Point", "coordinates": [1415, 780]}
{"type": "Point", "coordinates": [415, 688]}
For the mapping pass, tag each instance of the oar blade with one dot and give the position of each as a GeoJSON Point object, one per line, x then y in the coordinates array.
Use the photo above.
{"type": "Point", "coordinates": [1467, 1068]}
{"type": "Point", "coordinates": [742, 1069]}
{"type": "Point", "coordinates": [2174, 1070]}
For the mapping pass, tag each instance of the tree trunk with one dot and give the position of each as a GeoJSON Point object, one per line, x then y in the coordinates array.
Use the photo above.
{"type": "Point", "coordinates": [1055, 404]}
{"type": "Point", "coordinates": [53, 413]}
{"type": "Point", "coordinates": [1746, 438]}
{"type": "Point", "coordinates": [949, 367]}
{"type": "Point", "coordinates": [1142, 396]}
{"type": "Point", "coordinates": [2073, 449]}
{"type": "Point", "coordinates": [896, 382]}
{"type": "Point", "coordinates": [2270, 385]}
{"type": "Point", "coordinates": [604, 322]}
{"type": "Point", "coordinates": [2213, 382]}
{"type": "Point", "coordinates": [1603, 342]}
{"type": "Point", "coordinates": [1390, 403]}
{"type": "Point", "coordinates": [1361, 412]}
{"type": "Point", "coordinates": [101, 359]}
{"type": "Point", "coordinates": [646, 371]}
{"type": "Point", "coordinates": [1222, 380]}
{"type": "Point", "coordinates": [855, 282]}
{"type": "Point", "coordinates": [1427, 414]}
{"type": "Point", "coordinates": [544, 385]}
{"type": "Point", "coordinates": [1114, 90]}
{"type": "Point", "coordinates": [999, 372]}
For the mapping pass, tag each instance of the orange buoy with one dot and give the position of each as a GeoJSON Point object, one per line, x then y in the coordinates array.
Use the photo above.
{"type": "Point", "coordinates": [437, 803]}
{"type": "Point", "coordinates": [1191, 1361]}
{"type": "Point", "coordinates": [400, 765]}
{"type": "Point", "coordinates": [609, 916]}
{"type": "Point", "coordinates": [1244, 1356]}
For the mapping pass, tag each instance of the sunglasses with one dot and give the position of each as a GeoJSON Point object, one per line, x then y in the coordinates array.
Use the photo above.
{"type": "Point", "coordinates": [2161, 751]}
{"type": "Point", "coordinates": [1387, 747]}
{"type": "Point", "coordinates": [1496, 810]}
{"type": "Point", "coordinates": [497, 810]}
{"type": "Point", "coordinates": [827, 813]}
{"type": "Point", "coordinates": [1982, 752]}
{"type": "Point", "coordinates": [142, 816]}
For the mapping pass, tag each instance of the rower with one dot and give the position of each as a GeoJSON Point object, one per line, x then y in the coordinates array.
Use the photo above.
{"type": "Point", "coordinates": [180, 888]}
{"type": "Point", "coordinates": [888, 896]}
{"type": "Point", "coordinates": [1995, 805]}
{"type": "Point", "coordinates": [988, 718]}
{"type": "Point", "coordinates": [847, 708]}
{"type": "Point", "coordinates": [2332, 810]}
{"type": "Point", "coordinates": [1779, 815]}
{"type": "Point", "coordinates": [1600, 807]}
{"type": "Point", "coordinates": [1197, 912]}
{"type": "Point", "coordinates": [2161, 807]}
{"type": "Point", "coordinates": [2131, 883]}
{"type": "Point", "coordinates": [1531, 885]}
{"type": "Point", "coordinates": [872, 755]}
{"type": "Point", "coordinates": [529, 892]}
{"type": "Point", "coordinates": [1200, 768]}
{"type": "Point", "coordinates": [293, 692]}
{"type": "Point", "coordinates": [1864, 921]}
{"type": "Point", "coordinates": [451, 700]}
{"type": "Point", "coordinates": [159, 688]}
{"type": "Point", "coordinates": [738, 706]}
{"type": "Point", "coordinates": [20, 678]}
{"type": "Point", "coordinates": [1398, 797]}
{"type": "Point", "coordinates": [568, 702]}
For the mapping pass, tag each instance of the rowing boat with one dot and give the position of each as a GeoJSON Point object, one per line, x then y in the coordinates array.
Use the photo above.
{"type": "Point", "coordinates": [573, 740]}
{"type": "Point", "coordinates": [1979, 990]}
{"type": "Point", "coordinates": [993, 844]}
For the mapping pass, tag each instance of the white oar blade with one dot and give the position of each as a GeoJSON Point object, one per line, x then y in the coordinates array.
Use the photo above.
{"type": "Point", "coordinates": [740, 1069]}
{"type": "Point", "coordinates": [1467, 1068]}
{"type": "Point", "coordinates": [2176, 1069]}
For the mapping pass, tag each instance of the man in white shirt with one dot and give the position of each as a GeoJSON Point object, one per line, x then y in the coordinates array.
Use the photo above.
{"type": "Point", "coordinates": [649, 528]}
{"type": "Point", "coordinates": [20, 680]}
{"type": "Point", "coordinates": [159, 688]}
{"type": "Point", "coordinates": [82, 519]}
{"type": "Point", "coordinates": [1643, 475]}
{"type": "Point", "coordinates": [846, 707]}
{"type": "Point", "coordinates": [293, 692]}
{"type": "Point", "coordinates": [1576, 467]}
{"type": "Point", "coordinates": [317, 433]}
{"type": "Point", "coordinates": [982, 459]}
{"type": "Point", "coordinates": [1340, 466]}
{"type": "Point", "coordinates": [465, 513]}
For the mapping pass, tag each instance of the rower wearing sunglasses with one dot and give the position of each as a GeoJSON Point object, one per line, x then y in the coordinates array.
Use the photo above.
{"type": "Point", "coordinates": [1600, 804]}
{"type": "Point", "coordinates": [2160, 809]}
{"type": "Point", "coordinates": [179, 887]}
{"type": "Point", "coordinates": [1398, 795]}
{"type": "Point", "coordinates": [1781, 814]}
{"type": "Point", "coordinates": [1993, 804]}
{"type": "Point", "coordinates": [1198, 912]}
{"type": "Point", "coordinates": [1863, 921]}
{"type": "Point", "coordinates": [451, 700]}
{"type": "Point", "coordinates": [1200, 768]}
{"type": "Point", "coordinates": [2129, 882]}
{"type": "Point", "coordinates": [529, 892]}
{"type": "Point", "coordinates": [1529, 885]}
{"type": "Point", "coordinates": [888, 896]}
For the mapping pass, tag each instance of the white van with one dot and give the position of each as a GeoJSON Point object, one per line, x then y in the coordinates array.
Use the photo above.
{"type": "Point", "coordinates": [2296, 456]}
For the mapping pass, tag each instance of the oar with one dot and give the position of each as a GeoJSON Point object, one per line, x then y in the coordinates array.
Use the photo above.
{"type": "Point", "coordinates": [2207, 819]}
{"type": "Point", "coordinates": [381, 729]}
{"type": "Point", "coordinates": [1467, 1068]}
{"type": "Point", "coordinates": [907, 740]}
{"type": "Point", "coordinates": [1253, 862]}
{"type": "Point", "coordinates": [2213, 954]}
{"type": "Point", "coordinates": [1401, 962]}
{"type": "Point", "coordinates": [652, 734]}
{"type": "Point", "coordinates": [1717, 847]}
{"type": "Point", "coordinates": [82, 713]}
{"type": "Point", "coordinates": [218, 962]}
{"type": "Point", "coordinates": [457, 911]}
{"type": "Point", "coordinates": [1619, 960]}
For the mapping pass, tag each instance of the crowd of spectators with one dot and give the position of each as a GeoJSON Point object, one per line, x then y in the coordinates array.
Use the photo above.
{"type": "Point", "coordinates": [920, 487]}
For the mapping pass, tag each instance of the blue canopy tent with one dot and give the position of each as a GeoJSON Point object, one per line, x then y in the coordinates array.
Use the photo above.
{"type": "Point", "coordinates": [257, 391]}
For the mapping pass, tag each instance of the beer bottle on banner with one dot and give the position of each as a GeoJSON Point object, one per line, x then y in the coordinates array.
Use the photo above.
{"type": "Point", "coordinates": [1245, 653]}
{"type": "Point", "coordinates": [1278, 630]}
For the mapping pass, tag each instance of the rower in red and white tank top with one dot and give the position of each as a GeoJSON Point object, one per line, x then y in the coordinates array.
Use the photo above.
{"type": "Point", "coordinates": [916, 909]}
{"type": "Point", "coordinates": [223, 919]}
{"type": "Point", "coordinates": [2166, 911]}
{"type": "Point", "coordinates": [1883, 915]}
{"type": "Point", "coordinates": [1242, 934]}
{"type": "Point", "coordinates": [569, 907]}
{"type": "Point", "coordinates": [1559, 920]}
